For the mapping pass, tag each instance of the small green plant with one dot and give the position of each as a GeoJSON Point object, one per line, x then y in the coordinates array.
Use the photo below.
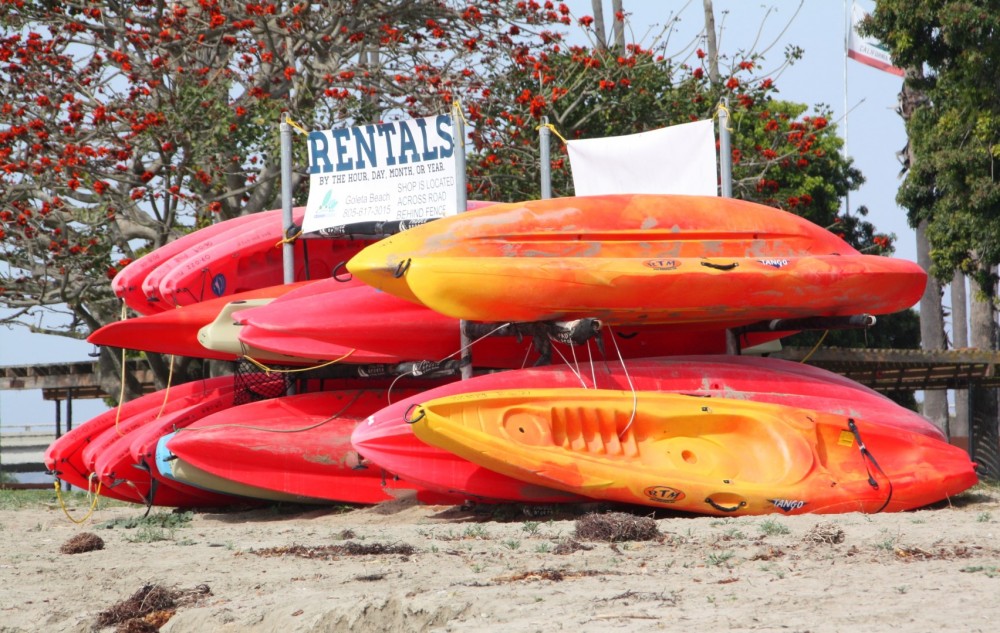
{"type": "Point", "coordinates": [771, 527]}
{"type": "Point", "coordinates": [168, 520]}
{"type": "Point", "coordinates": [991, 571]}
{"type": "Point", "coordinates": [543, 548]}
{"type": "Point", "coordinates": [512, 544]}
{"type": "Point", "coordinates": [150, 534]}
{"type": "Point", "coordinates": [734, 534]}
{"type": "Point", "coordinates": [720, 558]}
{"type": "Point", "coordinates": [475, 531]}
{"type": "Point", "coordinates": [984, 517]}
{"type": "Point", "coordinates": [531, 527]}
{"type": "Point", "coordinates": [888, 543]}
{"type": "Point", "coordinates": [901, 589]}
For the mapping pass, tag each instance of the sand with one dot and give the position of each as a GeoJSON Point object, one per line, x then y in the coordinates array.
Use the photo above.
{"type": "Point", "coordinates": [436, 568]}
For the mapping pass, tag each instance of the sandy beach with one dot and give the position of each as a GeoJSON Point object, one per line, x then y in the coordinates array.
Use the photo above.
{"type": "Point", "coordinates": [402, 566]}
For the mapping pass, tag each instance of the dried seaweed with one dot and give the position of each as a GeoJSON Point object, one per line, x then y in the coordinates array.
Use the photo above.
{"type": "Point", "coordinates": [148, 609]}
{"type": "Point", "coordinates": [827, 533]}
{"type": "Point", "coordinates": [616, 527]}
{"type": "Point", "coordinates": [82, 542]}
{"type": "Point", "coordinates": [568, 546]}
{"type": "Point", "coordinates": [330, 551]}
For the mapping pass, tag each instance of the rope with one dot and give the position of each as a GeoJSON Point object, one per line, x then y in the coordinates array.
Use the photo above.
{"type": "Point", "coordinates": [456, 106]}
{"type": "Point", "coordinates": [268, 370]}
{"type": "Point", "coordinates": [815, 347]}
{"type": "Point", "coordinates": [271, 430]}
{"type": "Point", "coordinates": [93, 503]}
{"type": "Point", "coordinates": [553, 129]}
{"type": "Point", "coordinates": [631, 386]}
{"type": "Point", "coordinates": [729, 116]}
{"type": "Point", "coordinates": [471, 343]}
{"type": "Point", "coordinates": [298, 128]}
{"type": "Point", "coordinates": [166, 391]}
{"type": "Point", "coordinates": [289, 239]}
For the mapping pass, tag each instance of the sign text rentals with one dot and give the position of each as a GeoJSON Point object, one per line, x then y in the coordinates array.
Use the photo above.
{"type": "Point", "coordinates": [397, 170]}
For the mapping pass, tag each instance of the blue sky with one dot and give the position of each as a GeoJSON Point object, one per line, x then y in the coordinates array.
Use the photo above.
{"type": "Point", "coordinates": [875, 133]}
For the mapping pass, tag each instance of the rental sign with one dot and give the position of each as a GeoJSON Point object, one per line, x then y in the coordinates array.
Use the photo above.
{"type": "Point", "coordinates": [398, 170]}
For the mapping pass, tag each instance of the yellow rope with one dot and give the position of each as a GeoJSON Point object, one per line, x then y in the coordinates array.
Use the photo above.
{"type": "Point", "coordinates": [268, 370]}
{"type": "Point", "coordinates": [815, 347]}
{"type": "Point", "coordinates": [93, 504]}
{"type": "Point", "coordinates": [296, 126]}
{"type": "Point", "coordinates": [265, 429]}
{"type": "Point", "coordinates": [456, 105]}
{"type": "Point", "coordinates": [553, 129]}
{"type": "Point", "coordinates": [289, 239]}
{"type": "Point", "coordinates": [729, 115]}
{"type": "Point", "coordinates": [166, 390]}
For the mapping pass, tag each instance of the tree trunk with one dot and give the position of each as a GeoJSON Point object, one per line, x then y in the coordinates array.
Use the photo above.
{"type": "Point", "coordinates": [931, 330]}
{"type": "Point", "coordinates": [602, 39]}
{"type": "Point", "coordinates": [618, 26]}
{"type": "Point", "coordinates": [960, 339]}
{"type": "Point", "coordinates": [711, 43]}
{"type": "Point", "coordinates": [931, 315]}
{"type": "Point", "coordinates": [983, 401]}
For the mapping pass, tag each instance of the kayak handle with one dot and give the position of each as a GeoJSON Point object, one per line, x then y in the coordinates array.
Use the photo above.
{"type": "Point", "coordinates": [409, 410]}
{"type": "Point", "coordinates": [720, 266]}
{"type": "Point", "coordinates": [722, 508]}
{"type": "Point", "coordinates": [402, 268]}
{"type": "Point", "coordinates": [339, 267]}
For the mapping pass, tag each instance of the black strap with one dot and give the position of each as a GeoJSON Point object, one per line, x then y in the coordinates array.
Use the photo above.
{"type": "Point", "coordinates": [869, 458]}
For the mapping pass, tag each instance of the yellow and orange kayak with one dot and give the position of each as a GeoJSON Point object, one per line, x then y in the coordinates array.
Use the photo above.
{"type": "Point", "coordinates": [716, 457]}
{"type": "Point", "coordinates": [630, 259]}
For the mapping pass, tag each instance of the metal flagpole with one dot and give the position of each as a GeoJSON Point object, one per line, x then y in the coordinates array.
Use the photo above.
{"type": "Point", "coordinates": [287, 248]}
{"type": "Point", "coordinates": [726, 181]}
{"type": "Point", "coordinates": [546, 162]}
{"type": "Point", "coordinates": [848, 25]}
{"type": "Point", "coordinates": [725, 151]}
{"type": "Point", "coordinates": [460, 196]}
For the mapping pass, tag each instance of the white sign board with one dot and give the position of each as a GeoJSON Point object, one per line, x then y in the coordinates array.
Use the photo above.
{"type": "Point", "coordinates": [398, 170]}
{"type": "Point", "coordinates": [678, 159]}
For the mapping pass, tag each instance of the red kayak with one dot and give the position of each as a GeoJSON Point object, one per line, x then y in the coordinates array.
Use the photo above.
{"type": "Point", "coordinates": [128, 283]}
{"type": "Point", "coordinates": [176, 330]}
{"type": "Point", "coordinates": [297, 445]}
{"type": "Point", "coordinates": [330, 317]}
{"type": "Point", "coordinates": [64, 457]}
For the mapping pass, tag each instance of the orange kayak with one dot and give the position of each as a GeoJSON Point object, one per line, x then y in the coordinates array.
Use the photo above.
{"type": "Point", "coordinates": [629, 259]}
{"type": "Point", "coordinates": [716, 457]}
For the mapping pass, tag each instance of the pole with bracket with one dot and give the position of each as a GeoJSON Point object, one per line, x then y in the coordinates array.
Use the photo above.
{"type": "Point", "coordinates": [726, 181]}
{"type": "Point", "coordinates": [546, 162]}
{"type": "Point", "coordinates": [287, 248]}
{"type": "Point", "coordinates": [461, 202]}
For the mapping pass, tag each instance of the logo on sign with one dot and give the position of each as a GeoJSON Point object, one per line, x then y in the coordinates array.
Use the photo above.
{"type": "Point", "coordinates": [219, 285]}
{"type": "Point", "coordinates": [662, 264]}
{"type": "Point", "coordinates": [663, 494]}
{"type": "Point", "coordinates": [787, 505]}
{"type": "Point", "coordinates": [774, 263]}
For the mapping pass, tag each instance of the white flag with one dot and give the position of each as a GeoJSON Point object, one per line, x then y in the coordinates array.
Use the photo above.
{"type": "Point", "coordinates": [679, 159]}
{"type": "Point", "coordinates": [867, 50]}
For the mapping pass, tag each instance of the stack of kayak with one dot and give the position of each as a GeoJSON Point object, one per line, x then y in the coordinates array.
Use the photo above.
{"type": "Point", "coordinates": [599, 327]}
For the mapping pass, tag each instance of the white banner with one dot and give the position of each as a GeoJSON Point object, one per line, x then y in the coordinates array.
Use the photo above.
{"type": "Point", "coordinates": [398, 170]}
{"type": "Point", "coordinates": [677, 159]}
{"type": "Point", "coordinates": [867, 50]}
